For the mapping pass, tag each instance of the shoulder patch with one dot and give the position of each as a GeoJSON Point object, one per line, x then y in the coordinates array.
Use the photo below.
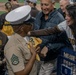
{"type": "Point", "coordinates": [14, 60]}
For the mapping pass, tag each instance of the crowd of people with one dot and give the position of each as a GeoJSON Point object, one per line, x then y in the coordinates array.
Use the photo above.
{"type": "Point", "coordinates": [32, 39]}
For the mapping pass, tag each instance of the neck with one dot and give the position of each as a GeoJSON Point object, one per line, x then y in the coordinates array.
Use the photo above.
{"type": "Point", "coordinates": [46, 17]}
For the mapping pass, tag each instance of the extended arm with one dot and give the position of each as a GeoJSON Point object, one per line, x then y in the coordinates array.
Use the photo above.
{"type": "Point", "coordinates": [29, 65]}
{"type": "Point", "coordinates": [17, 63]}
{"type": "Point", "coordinates": [48, 31]}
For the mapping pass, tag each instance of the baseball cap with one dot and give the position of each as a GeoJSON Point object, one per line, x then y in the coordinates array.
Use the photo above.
{"type": "Point", "coordinates": [19, 15]}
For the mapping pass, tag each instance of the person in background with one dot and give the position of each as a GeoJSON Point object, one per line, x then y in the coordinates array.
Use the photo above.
{"type": "Point", "coordinates": [34, 10]}
{"type": "Point", "coordinates": [20, 59]}
{"type": "Point", "coordinates": [7, 29]}
{"type": "Point", "coordinates": [25, 2]}
{"type": "Point", "coordinates": [8, 8]}
{"type": "Point", "coordinates": [47, 18]}
{"type": "Point", "coordinates": [69, 26]}
{"type": "Point", "coordinates": [14, 3]}
{"type": "Point", "coordinates": [63, 4]}
{"type": "Point", "coordinates": [3, 41]}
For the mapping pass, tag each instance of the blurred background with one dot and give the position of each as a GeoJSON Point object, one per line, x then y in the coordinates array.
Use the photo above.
{"type": "Point", "coordinates": [2, 2]}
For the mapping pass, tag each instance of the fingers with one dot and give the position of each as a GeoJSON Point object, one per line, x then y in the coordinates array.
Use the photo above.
{"type": "Point", "coordinates": [31, 45]}
{"type": "Point", "coordinates": [42, 55]}
{"type": "Point", "coordinates": [34, 49]}
{"type": "Point", "coordinates": [29, 33]}
{"type": "Point", "coordinates": [44, 52]}
{"type": "Point", "coordinates": [37, 49]}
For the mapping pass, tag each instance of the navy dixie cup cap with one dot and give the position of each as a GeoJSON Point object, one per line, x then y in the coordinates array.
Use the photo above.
{"type": "Point", "coordinates": [19, 15]}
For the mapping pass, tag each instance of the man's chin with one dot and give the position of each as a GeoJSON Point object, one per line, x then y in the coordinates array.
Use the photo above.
{"type": "Point", "coordinates": [46, 13]}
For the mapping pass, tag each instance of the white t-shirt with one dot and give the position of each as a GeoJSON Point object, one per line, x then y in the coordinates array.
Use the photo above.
{"type": "Point", "coordinates": [64, 27]}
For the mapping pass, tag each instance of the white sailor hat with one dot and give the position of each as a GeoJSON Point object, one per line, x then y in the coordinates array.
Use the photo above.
{"type": "Point", "coordinates": [34, 1]}
{"type": "Point", "coordinates": [19, 15]}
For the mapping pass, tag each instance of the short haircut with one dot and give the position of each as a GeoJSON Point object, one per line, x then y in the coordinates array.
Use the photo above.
{"type": "Point", "coordinates": [8, 5]}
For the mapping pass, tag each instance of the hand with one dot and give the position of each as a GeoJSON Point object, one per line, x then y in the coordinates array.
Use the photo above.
{"type": "Point", "coordinates": [34, 50]}
{"type": "Point", "coordinates": [29, 33]}
{"type": "Point", "coordinates": [44, 52]}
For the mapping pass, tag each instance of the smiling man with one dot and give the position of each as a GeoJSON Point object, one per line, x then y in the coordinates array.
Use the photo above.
{"type": "Point", "coordinates": [47, 18]}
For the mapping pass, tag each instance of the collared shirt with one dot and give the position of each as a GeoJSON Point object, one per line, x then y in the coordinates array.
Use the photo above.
{"type": "Point", "coordinates": [17, 55]}
{"type": "Point", "coordinates": [54, 19]}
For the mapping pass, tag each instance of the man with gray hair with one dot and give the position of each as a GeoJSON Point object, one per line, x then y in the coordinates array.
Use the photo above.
{"type": "Point", "coordinates": [47, 18]}
{"type": "Point", "coordinates": [63, 4]}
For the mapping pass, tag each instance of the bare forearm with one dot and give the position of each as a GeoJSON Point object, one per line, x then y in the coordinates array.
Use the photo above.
{"type": "Point", "coordinates": [28, 66]}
